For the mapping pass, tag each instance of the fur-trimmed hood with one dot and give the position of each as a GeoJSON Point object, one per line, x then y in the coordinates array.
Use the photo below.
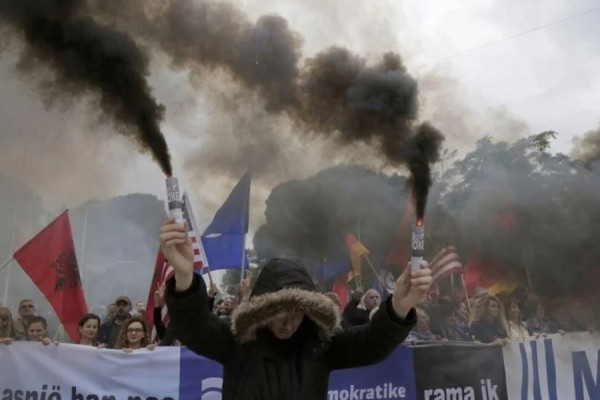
{"type": "Point", "coordinates": [283, 286]}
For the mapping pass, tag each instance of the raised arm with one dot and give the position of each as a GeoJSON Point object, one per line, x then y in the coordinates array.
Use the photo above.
{"type": "Point", "coordinates": [371, 343]}
{"type": "Point", "coordinates": [189, 318]}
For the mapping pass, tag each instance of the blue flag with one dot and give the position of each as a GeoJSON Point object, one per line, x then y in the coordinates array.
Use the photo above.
{"type": "Point", "coordinates": [332, 267]}
{"type": "Point", "coordinates": [225, 237]}
{"type": "Point", "coordinates": [232, 217]}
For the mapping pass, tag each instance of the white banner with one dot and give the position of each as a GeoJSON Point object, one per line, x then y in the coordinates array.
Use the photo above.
{"type": "Point", "coordinates": [32, 371]}
{"type": "Point", "coordinates": [554, 368]}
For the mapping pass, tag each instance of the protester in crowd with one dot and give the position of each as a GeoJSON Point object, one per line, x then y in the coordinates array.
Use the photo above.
{"type": "Point", "coordinates": [140, 308]}
{"type": "Point", "coordinates": [421, 332]}
{"type": "Point", "coordinates": [134, 335]}
{"type": "Point", "coordinates": [515, 326]}
{"type": "Point", "coordinates": [37, 330]}
{"type": "Point", "coordinates": [225, 309]}
{"type": "Point", "coordinates": [213, 292]}
{"type": "Point", "coordinates": [26, 312]}
{"type": "Point", "coordinates": [111, 311]}
{"type": "Point", "coordinates": [88, 330]}
{"type": "Point", "coordinates": [285, 340]}
{"type": "Point", "coordinates": [452, 329]}
{"type": "Point", "coordinates": [358, 309]}
{"type": "Point", "coordinates": [489, 323]}
{"type": "Point", "coordinates": [109, 330]}
{"type": "Point", "coordinates": [7, 326]}
{"type": "Point", "coordinates": [479, 294]}
{"type": "Point", "coordinates": [537, 324]}
{"type": "Point", "coordinates": [461, 313]}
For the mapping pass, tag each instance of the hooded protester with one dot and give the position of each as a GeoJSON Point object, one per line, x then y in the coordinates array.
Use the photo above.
{"type": "Point", "coordinates": [285, 340]}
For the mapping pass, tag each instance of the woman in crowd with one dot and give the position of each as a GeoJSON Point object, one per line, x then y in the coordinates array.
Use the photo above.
{"type": "Point", "coordinates": [134, 335]}
{"type": "Point", "coordinates": [537, 324]}
{"type": "Point", "coordinates": [7, 326]}
{"type": "Point", "coordinates": [489, 324]}
{"type": "Point", "coordinates": [88, 330]}
{"type": "Point", "coordinates": [515, 327]}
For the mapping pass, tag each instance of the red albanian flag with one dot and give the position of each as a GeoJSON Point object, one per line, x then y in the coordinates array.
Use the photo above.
{"type": "Point", "coordinates": [49, 260]}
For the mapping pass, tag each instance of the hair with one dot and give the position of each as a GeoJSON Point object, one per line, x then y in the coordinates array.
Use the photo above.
{"type": "Point", "coordinates": [481, 311]}
{"type": "Point", "coordinates": [510, 301]}
{"type": "Point", "coordinates": [24, 301]}
{"type": "Point", "coordinates": [122, 342]}
{"type": "Point", "coordinates": [36, 319]}
{"type": "Point", "coordinates": [363, 299]}
{"type": "Point", "coordinates": [87, 317]}
{"type": "Point", "coordinates": [9, 330]}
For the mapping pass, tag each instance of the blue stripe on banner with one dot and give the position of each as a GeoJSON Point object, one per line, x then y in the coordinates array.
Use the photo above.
{"type": "Point", "coordinates": [199, 378]}
{"type": "Point", "coordinates": [525, 372]}
{"type": "Point", "coordinates": [550, 369]}
{"type": "Point", "coordinates": [537, 395]}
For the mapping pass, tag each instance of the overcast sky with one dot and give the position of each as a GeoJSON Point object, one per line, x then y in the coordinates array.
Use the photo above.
{"type": "Point", "coordinates": [546, 79]}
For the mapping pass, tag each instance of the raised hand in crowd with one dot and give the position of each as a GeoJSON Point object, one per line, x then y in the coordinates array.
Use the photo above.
{"type": "Point", "coordinates": [158, 296]}
{"type": "Point", "coordinates": [213, 290]}
{"type": "Point", "coordinates": [177, 248]}
{"type": "Point", "coordinates": [47, 341]}
{"type": "Point", "coordinates": [244, 289]}
{"type": "Point", "coordinates": [411, 289]}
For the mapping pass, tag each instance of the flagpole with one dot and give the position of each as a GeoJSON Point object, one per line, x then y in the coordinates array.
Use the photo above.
{"type": "Point", "coordinates": [82, 268]}
{"type": "Point", "coordinates": [374, 271]}
{"type": "Point", "coordinates": [462, 278]}
{"type": "Point", "coordinates": [243, 259]}
{"type": "Point", "coordinates": [6, 264]}
{"type": "Point", "coordinates": [5, 296]}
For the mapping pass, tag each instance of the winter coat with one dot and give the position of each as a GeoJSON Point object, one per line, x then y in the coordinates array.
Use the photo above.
{"type": "Point", "coordinates": [257, 365]}
{"type": "Point", "coordinates": [355, 316]}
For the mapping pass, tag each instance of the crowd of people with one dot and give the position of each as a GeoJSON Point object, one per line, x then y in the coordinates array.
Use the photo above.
{"type": "Point", "coordinates": [487, 319]}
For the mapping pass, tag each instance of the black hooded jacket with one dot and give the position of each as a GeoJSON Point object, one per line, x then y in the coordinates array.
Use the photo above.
{"type": "Point", "coordinates": [257, 365]}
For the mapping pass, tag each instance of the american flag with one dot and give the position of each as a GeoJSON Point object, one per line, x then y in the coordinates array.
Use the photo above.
{"type": "Point", "coordinates": [163, 271]}
{"type": "Point", "coordinates": [446, 262]}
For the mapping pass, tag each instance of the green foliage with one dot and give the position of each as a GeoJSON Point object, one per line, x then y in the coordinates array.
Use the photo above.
{"type": "Point", "coordinates": [541, 141]}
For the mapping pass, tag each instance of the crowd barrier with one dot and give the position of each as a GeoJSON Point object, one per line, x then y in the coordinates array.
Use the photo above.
{"type": "Point", "coordinates": [553, 368]}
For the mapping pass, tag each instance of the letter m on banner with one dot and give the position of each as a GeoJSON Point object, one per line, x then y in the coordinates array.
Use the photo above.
{"type": "Point", "coordinates": [583, 379]}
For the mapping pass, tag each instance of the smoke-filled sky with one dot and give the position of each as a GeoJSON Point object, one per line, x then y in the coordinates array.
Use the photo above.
{"type": "Point", "coordinates": [216, 128]}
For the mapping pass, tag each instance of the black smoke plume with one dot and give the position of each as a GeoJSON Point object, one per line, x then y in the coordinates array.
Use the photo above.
{"type": "Point", "coordinates": [86, 56]}
{"type": "Point", "coordinates": [525, 216]}
{"type": "Point", "coordinates": [335, 93]}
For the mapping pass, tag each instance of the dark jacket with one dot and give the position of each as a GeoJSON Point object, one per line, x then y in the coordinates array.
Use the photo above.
{"type": "Point", "coordinates": [108, 333]}
{"type": "Point", "coordinates": [486, 332]}
{"type": "Point", "coordinates": [354, 316]}
{"type": "Point", "coordinates": [258, 366]}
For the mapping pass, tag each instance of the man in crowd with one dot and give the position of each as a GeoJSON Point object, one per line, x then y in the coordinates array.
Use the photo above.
{"type": "Point", "coordinates": [285, 340]}
{"type": "Point", "coordinates": [26, 312]}
{"type": "Point", "coordinates": [37, 329]}
{"type": "Point", "coordinates": [421, 332]}
{"type": "Point", "coordinates": [358, 309]}
{"type": "Point", "coordinates": [225, 309]}
{"type": "Point", "coordinates": [109, 330]}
